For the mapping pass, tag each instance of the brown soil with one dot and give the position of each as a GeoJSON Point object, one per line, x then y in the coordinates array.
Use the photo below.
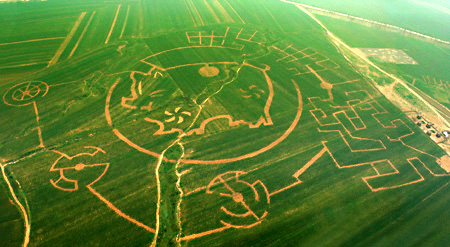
{"type": "Point", "coordinates": [209, 71]}
{"type": "Point", "coordinates": [326, 85]}
{"type": "Point", "coordinates": [444, 161]}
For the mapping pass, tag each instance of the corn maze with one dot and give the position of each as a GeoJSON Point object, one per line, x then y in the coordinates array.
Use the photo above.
{"type": "Point", "coordinates": [209, 130]}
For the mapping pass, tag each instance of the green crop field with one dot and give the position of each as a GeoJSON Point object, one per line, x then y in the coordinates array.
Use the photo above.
{"type": "Point", "coordinates": [217, 123]}
{"type": "Point", "coordinates": [429, 17]}
{"type": "Point", "coordinates": [431, 74]}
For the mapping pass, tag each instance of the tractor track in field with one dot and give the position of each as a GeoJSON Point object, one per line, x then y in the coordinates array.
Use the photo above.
{"type": "Point", "coordinates": [20, 206]}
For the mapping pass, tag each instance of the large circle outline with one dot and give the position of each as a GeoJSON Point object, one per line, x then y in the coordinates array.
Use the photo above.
{"type": "Point", "coordinates": [205, 162]}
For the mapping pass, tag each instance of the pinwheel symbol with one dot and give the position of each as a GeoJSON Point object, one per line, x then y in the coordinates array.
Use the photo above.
{"type": "Point", "coordinates": [176, 115]}
{"type": "Point", "coordinates": [253, 90]}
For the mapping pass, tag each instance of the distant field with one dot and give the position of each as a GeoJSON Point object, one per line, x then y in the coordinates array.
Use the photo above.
{"type": "Point", "coordinates": [10, 221]}
{"type": "Point", "coordinates": [431, 17]}
{"type": "Point", "coordinates": [211, 123]}
{"type": "Point", "coordinates": [430, 75]}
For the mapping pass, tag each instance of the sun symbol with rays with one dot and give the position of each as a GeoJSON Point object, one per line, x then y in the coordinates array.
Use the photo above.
{"type": "Point", "coordinates": [27, 91]}
{"type": "Point", "coordinates": [177, 115]}
{"type": "Point", "coordinates": [252, 91]}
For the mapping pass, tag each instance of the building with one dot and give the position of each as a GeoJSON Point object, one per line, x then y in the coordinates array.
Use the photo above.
{"type": "Point", "coordinates": [446, 134]}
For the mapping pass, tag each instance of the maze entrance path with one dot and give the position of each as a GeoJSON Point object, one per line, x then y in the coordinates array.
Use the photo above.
{"type": "Point", "coordinates": [26, 93]}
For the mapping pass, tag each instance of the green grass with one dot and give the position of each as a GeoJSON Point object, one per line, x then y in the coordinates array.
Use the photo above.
{"type": "Point", "coordinates": [10, 220]}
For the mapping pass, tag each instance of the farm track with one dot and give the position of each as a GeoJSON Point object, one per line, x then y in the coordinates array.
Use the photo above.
{"type": "Point", "coordinates": [371, 23]}
{"type": "Point", "coordinates": [444, 110]}
{"type": "Point", "coordinates": [125, 22]}
{"type": "Point", "coordinates": [21, 207]}
{"type": "Point", "coordinates": [66, 40]}
{"type": "Point", "coordinates": [113, 24]}
{"type": "Point", "coordinates": [82, 34]}
{"type": "Point", "coordinates": [22, 65]}
{"type": "Point", "coordinates": [32, 40]}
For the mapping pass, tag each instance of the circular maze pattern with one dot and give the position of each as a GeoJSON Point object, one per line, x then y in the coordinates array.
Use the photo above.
{"type": "Point", "coordinates": [247, 204]}
{"type": "Point", "coordinates": [25, 93]}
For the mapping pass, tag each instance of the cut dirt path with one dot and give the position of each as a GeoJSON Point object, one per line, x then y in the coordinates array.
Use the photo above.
{"type": "Point", "coordinates": [31, 40]}
{"type": "Point", "coordinates": [113, 24]}
{"type": "Point", "coordinates": [125, 22]}
{"type": "Point", "coordinates": [22, 65]}
{"type": "Point", "coordinates": [67, 40]}
{"type": "Point", "coordinates": [82, 34]}
{"type": "Point", "coordinates": [360, 20]}
{"type": "Point", "coordinates": [333, 38]}
{"type": "Point", "coordinates": [22, 209]}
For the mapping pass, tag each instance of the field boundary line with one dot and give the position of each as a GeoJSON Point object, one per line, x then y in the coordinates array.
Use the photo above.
{"type": "Point", "coordinates": [82, 34]}
{"type": "Point", "coordinates": [24, 212]}
{"type": "Point", "coordinates": [235, 11]}
{"type": "Point", "coordinates": [67, 40]}
{"type": "Point", "coordinates": [125, 23]}
{"type": "Point", "coordinates": [21, 65]}
{"type": "Point", "coordinates": [40, 20]}
{"type": "Point", "coordinates": [113, 24]}
{"type": "Point", "coordinates": [392, 27]}
{"type": "Point", "coordinates": [434, 192]}
{"type": "Point", "coordinates": [212, 11]}
{"type": "Point", "coordinates": [273, 17]}
{"type": "Point", "coordinates": [223, 11]}
{"type": "Point", "coordinates": [443, 109]}
{"type": "Point", "coordinates": [190, 13]}
{"type": "Point", "coordinates": [31, 40]}
{"type": "Point", "coordinates": [196, 11]}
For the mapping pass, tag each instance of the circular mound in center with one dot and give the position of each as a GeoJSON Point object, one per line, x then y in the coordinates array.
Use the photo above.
{"type": "Point", "coordinates": [208, 71]}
